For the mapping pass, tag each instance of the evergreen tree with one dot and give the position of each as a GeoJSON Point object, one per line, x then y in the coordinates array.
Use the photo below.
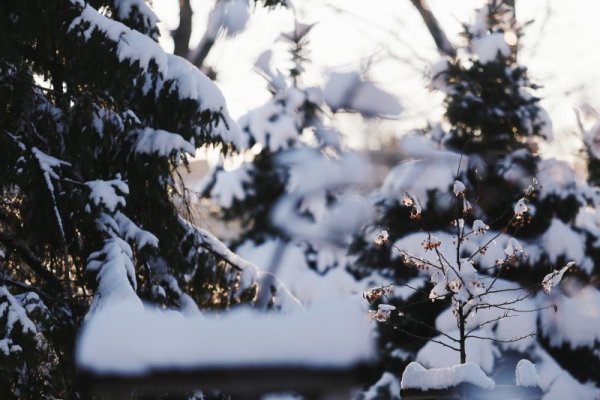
{"type": "Point", "coordinates": [492, 123]}
{"type": "Point", "coordinates": [94, 119]}
{"type": "Point", "coordinates": [291, 193]}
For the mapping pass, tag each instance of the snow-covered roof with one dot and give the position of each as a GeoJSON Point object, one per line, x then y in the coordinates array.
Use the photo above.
{"type": "Point", "coordinates": [131, 340]}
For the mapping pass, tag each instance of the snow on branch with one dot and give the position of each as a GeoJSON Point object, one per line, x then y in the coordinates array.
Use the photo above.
{"type": "Point", "coordinates": [175, 72]}
{"type": "Point", "coordinates": [250, 273]}
{"type": "Point", "coordinates": [140, 12]}
{"type": "Point", "coordinates": [349, 91]}
{"type": "Point", "coordinates": [108, 194]}
{"type": "Point", "coordinates": [116, 275]}
{"type": "Point", "coordinates": [163, 143]}
{"type": "Point", "coordinates": [130, 231]}
{"type": "Point", "coordinates": [47, 165]}
{"type": "Point", "coordinates": [15, 313]}
{"type": "Point", "coordinates": [554, 278]}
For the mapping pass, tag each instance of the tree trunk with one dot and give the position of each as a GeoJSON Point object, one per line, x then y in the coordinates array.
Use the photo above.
{"type": "Point", "coordinates": [439, 37]}
{"type": "Point", "coordinates": [181, 35]}
{"type": "Point", "coordinates": [463, 339]}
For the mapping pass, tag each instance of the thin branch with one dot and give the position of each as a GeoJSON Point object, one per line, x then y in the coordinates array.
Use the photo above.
{"type": "Point", "coordinates": [23, 252]}
{"type": "Point", "coordinates": [426, 338]}
{"type": "Point", "coordinates": [512, 340]}
{"type": "Point", "coordinates": [21, 285]}
{"type": "Point", "coordinates": [434, 329]}
{"type": "Point", "coordinates": [491, 321]}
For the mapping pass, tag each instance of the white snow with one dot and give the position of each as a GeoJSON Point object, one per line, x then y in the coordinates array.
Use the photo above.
{"type": "Point", "coordinates": [276, 124]}
{"type": "Point", "coordinates": [347, 90]}
{"type": "Point", "coordinates": [576, 321]}
{"type": "Point", "coordinates": [125, 7]}
{"type": "Point", "coordinates": [480, 352]}
{"type": "Point", "coordinates": [116, 276]}
{"type": "Point", "coordinates": [560, 240]}
{"type": "Point", "coordinates": [48, 163]}
{"type": "Point", "coordinates": [229, 185]}
{"type": "Point", "coordinates": [557, 383]}
{"type": "Point", "coordinates": [134, 47]}
{"type": "Point", "coordinates": [526, 374]}
{"type": "Point", "coordinates": [109, 194]}
{"type": "Point", "coordinates": [415, 376]}
{"type": "Point", "coordinates": [388, 385]}
{"type": "Point", "coordinates": [163, 143]}
{"type": "Point", "coordinates": [438, 74]}
{"type": "Point", "coordinates": [480, 227]}
{"type": "Point", "coordinates": [459, 188]}
{"type": "Point", "coordinates": [488, 47]}
{"type": "Point", "coordinates": [306, 178]}
{"type": "Point", "coordinates": [552, 279]}
{"type": "Point", "coordinates": [130, 231]}
{"type": "Point", "coordinates": [14, 312]}
{"type": "Point", "coordinates": [306, 284]}
{"type": "Point", "coordinates": [556, 177]}
{"type": "Point", "coordinates": [521, 207]}
{"type": "Point", "coordinates": [250, 273]}
{"type": "Point", "coordinates": [418, 177]}
{"type": "Point", "coordinates": [514, 248]}
{"type": "Point", "coordinates": [229, 16]}
{"type": "Point", "coordinates": [316, 337]}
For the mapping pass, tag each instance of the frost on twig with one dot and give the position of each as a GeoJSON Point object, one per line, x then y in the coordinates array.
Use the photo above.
{"type": "Point", "coordinates": [554, 278]}
{"type": "Point", "coordinates": [479, 299]}
{"type": "Point", "coordinates": [375, 293]}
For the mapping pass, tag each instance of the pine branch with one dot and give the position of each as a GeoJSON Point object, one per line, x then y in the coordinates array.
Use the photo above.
{"type": "Point", "coordinates": [27, 256]}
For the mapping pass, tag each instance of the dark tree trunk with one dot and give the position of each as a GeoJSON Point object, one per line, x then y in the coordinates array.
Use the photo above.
{"type": "Point", "coordinates": [439, 37]}
{"type": "Point", "coordinates": [461, 327]}
{"type": "Point", "coordinates": [181, 35]}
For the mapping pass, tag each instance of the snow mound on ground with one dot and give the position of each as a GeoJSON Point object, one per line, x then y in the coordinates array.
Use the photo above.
{"type": "Point", "coordinates": [526, 374]}
{"type": "Point", "coordinates": [415, 376]}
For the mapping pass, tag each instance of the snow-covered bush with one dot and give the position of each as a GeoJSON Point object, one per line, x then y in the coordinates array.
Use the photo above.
{"type": "Point", "coordinates": [484, 306]}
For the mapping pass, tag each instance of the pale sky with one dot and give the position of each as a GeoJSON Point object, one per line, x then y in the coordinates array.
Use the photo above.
{"type": "Point", "coordinates": [561, 49]}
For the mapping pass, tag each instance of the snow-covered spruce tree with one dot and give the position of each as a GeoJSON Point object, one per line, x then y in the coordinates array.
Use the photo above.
{"type": "Point", "coordinates": [293, 147]}
{"type": "Point", "coordinates": [487, 141]}
{"type": "Point", "coordinates": [94, 119]}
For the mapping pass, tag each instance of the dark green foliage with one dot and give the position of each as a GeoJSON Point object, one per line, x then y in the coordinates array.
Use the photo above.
{"type": "Point", "coordinates": [74, 110]}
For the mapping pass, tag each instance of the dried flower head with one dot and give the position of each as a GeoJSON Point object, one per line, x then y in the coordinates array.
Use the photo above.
{"type": "Point", "coordinates": [479, 227]}
{"type": "Point", "coordinates": [375, 293]}
{"type": "Point", "coordinates": [459, 189]}
{"type": "Point", "coordinates": [382, 238]}
{"type": "Point", "coordinates": [379, 315]}
{"type": "Point", "coordinates": [454, 286]}
{"type": "Point", "coordinates": [431, 243]}
{"type": "Point", "coordinates": [467, 207]}
{"type": "Point", "coordinates": [521, 208]}
{"type": "Point", "coordinates": [408, 200]}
